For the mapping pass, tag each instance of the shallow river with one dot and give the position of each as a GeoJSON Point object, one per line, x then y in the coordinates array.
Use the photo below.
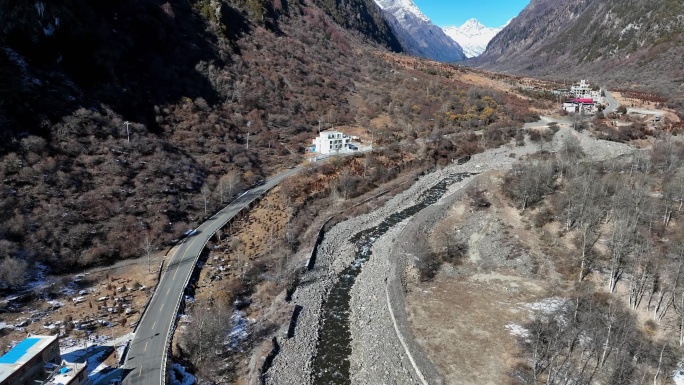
{"type": "Point", "coordinates": [331, 362]}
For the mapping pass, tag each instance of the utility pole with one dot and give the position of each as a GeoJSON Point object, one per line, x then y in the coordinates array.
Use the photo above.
{"type": "Point", "coordinates": [147, 247]}
{"type": "Point", "coordinates": [128, 132]}
{"type": "Point", "coordinates": [249, 124]}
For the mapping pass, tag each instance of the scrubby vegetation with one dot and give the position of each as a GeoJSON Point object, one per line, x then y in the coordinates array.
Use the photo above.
{"type": "Point", "coordinates": [621, 222]}
{"type": "Point", "coordinates": [185, 105]}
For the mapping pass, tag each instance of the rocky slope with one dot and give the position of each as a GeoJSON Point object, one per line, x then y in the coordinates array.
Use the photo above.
{"type": "Point", "coordinates": [417, 34]}
{"type": "Point", "coordinates": [627, 43]}
{"type": "Point", "coordinates": [472, 36]}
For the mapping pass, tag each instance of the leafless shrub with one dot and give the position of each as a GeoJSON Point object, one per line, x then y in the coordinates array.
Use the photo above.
{"type": "Point", "coordinates": [12, 272]}
{"type": "Point", "coordinates": [478, 198]}
{"type": "Point", "coordinates": [450, 251]}
{"type": "Point", "coordinates": [528, 183]}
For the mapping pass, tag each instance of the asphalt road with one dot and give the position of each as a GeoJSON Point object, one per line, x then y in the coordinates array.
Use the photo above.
{"type": "Point", "coordinates": [612, 103]}
{"type": "Point", "coordinates": [146, 360]}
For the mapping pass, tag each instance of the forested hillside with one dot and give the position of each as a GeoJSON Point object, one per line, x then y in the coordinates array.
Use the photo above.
{"type": "Point", "coordinates": [135, 119]}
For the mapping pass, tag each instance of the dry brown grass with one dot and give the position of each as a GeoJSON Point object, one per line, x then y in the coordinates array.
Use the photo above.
{"type": "Point", "coordinates": [646, 105]}
{"type": "Point", "coordinates": [461, 320]}
{"type": "Point", "coordinates": [461, 324]}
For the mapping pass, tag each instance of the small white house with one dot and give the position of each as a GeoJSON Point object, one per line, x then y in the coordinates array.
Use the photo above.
{"type": "Point", "coordinates": [331, 141]}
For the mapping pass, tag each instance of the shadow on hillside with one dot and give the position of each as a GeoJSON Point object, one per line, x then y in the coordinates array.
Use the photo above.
{"type": "Point", "coordinates": [130, 55]}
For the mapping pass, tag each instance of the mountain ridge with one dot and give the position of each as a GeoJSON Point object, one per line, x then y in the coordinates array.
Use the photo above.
{"type": "Point", "coordinates": [404, 8]}
{"type": "Point", "coordinates": [417, 34]}
{"type": "Point", "coordinates": [631, 43]}
{"type": "Point", "coordinates": [133, 119]}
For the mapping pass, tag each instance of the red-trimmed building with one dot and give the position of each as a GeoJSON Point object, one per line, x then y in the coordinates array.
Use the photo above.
{"type": "Point", "coordinates": [580, 105]}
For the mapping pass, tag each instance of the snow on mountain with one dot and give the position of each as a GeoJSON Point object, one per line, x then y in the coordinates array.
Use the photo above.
{"type": "Point", "coordinates": [401, 8]}
{"type": "Point", "coordinates": [472, 36]}
{"type": "Point", "coordinates": [416, 33]}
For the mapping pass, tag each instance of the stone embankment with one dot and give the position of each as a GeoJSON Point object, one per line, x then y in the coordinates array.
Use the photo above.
{"type": "Point", "coordinates": [383, 350]}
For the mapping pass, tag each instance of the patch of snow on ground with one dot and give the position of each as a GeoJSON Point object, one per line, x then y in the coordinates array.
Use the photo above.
{"type": "Point", "coordinates": [55, 304]}
{"type": "Point", "coordinates": [518, 331]}
{"type": "Point", "coordinates": [238, 330]}
{"type": "Point", "coordinates": [548, 305]}
{"type": "Point", "coordinates": [678, 376]}
{"type": "Point", "coordinates": [180, 375]}
{"type": "Point", "coordinates": [39, 280]}
{"type": "Point", "coordinates": [94, 351]}
{"type": "Point", "coordinates": [120, 349]}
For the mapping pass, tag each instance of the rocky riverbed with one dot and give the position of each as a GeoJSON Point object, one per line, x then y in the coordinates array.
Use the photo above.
{"type": "Point", "coordinates": [382, 349]}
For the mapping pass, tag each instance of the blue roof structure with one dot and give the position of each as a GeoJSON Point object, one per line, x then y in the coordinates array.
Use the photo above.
{"type": "Point", "coordinates": [24, 352]}
{"type": "Point", "coordinates": [18, 351]}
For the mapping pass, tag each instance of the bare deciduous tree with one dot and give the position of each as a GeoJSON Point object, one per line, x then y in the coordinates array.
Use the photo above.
{"type": "Point", "coordinates": [528, 183]}
{"type": "Point", "coordinates": [203, 338]}
{"type": "Point", "coordinates": [346, 183]}
{"type": "Point", "coordinates": [228, 185]}
{"type": "Point", "coordinates": [367, 163]}
{"type": "Point", "coordinates": [590, 232]}
{"type": "Point", "coordinates": [620, 244]}
{"type": "Point", "coordinates": [12, 272]}
{"type": "Point", "coordinates": [206, 195]}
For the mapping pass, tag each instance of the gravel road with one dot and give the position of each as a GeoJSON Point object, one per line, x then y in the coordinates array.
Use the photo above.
{"type": "Point", "coordinates": [383, 350]}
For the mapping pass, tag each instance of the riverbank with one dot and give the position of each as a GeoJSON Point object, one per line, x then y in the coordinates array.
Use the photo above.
{"type": "Point", "coordinates": [382, 349]}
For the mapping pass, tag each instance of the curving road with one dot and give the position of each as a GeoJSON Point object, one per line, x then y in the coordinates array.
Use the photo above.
{"type": "Point", "coordinates": [146, 359]}
{"type": "Point", "coordinates": [612, 103]}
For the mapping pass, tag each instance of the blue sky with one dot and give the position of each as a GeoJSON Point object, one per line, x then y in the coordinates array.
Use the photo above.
{"type": "Point", "coordinates": [492, 13]}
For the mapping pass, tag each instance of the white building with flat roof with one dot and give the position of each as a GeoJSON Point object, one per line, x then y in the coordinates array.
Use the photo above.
{"type": "Point", "coordinates": [331, 141]}
{"type": "Point", "coordinates": [584, 91]}
{"type": "Point", "coordinates": [582, 106]}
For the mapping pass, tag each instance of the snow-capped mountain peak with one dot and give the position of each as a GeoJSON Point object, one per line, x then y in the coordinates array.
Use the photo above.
{"type": "Point", "coordinates": [399, 7]}
{"type": "Point", "coordinates": [472, 25]}
{"type": "Point", "coordinates": [472, 36]}
{"type": "Point", "coordinates": [417, 34]}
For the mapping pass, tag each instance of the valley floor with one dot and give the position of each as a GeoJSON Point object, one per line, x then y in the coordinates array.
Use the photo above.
{"type": "Point", "coordinates": [453, 330]}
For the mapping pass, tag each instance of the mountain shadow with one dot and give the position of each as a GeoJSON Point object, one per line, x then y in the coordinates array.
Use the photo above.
{"type": "Point", "coordinates": [129, 55]}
